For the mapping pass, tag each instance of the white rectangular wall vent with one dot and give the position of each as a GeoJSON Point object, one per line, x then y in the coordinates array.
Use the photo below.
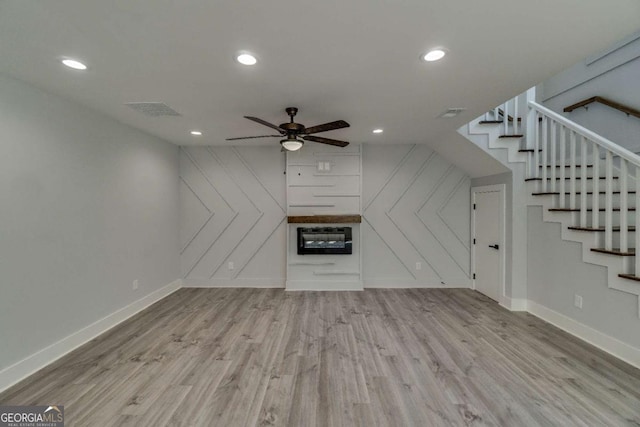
{"type": "Point", "coordinates": [153, 109]}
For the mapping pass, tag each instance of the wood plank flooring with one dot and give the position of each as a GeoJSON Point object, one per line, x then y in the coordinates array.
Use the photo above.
{"type": "Point", "coordinates": [411, 357]}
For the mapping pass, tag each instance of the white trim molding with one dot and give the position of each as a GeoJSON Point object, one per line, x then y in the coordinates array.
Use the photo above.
{"type": "Point", "coordinates": [514, 304]}
{"type": "Point", "coordinates": [28, 366]}
{"type": "Point", "coordinates": [233, 283]}
{"type": "Point", "coordinates": [389, 283]}
{"type": "Point", "coordinates": [324, 285]}
{"type": "Point", "coordinates": [604, 342]}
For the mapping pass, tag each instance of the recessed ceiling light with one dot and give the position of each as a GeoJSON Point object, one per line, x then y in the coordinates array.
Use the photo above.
{"type": "Point", "coordinates": [246, 59]}
{"type": "Point", "coordinates": [196, 133]}
{"type": "Point", "coordinates": [378, 130]}
{"type": "Point", "coordinates": [434, 55]}
{"type": "Point", "coordinates": [72, 63]}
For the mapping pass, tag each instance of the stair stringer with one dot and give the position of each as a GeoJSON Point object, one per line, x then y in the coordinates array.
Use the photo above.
{"type": "Point", "coordinates": [487, 137]}
{"type": "Point", "coordinates": [511, 146]}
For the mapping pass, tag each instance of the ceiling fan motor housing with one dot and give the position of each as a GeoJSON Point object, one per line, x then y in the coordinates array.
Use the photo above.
{"type": "Point", "coordinates": [294, 128]}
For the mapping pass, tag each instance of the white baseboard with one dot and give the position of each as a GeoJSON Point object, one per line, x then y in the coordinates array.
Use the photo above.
{"type": "Point", "coordinates": [604, 342]}
{"type": "Point", "coordinates": [316, 285]}
{"type": "Point", "coordinates": [407, 284]}
{"type": "Point", "coordinates": [514, 304]}
{"type": "Point", "coordinates": [33, 363]}
{"type": "Point", "coordinates": [233, 283]}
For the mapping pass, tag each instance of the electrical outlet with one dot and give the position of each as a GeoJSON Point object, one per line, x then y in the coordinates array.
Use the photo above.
{"type": "Point", "coordinates": [135, 284]}
{"type": "Point", "coordinates": [577, 301]}
{"type": "Point", "coordinates": [230, 266]}
{"type": "Point", "coordinates": [418, 265]}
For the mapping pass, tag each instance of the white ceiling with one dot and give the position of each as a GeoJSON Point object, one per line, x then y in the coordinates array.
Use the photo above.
{"type": "Point", "coordinates": [355, 60]}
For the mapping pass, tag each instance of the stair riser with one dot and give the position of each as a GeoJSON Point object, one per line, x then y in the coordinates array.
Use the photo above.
{"type": "Point", "coordinates": [567, 184]}
{"type": "Point", "coordinates": [631, 217]}
{"type": "Point", "coordinates": [616, 240]}
{"type": "Point", "coordinates": [567, 171]}
{"type": "Point", "coordinates": [631, 200]}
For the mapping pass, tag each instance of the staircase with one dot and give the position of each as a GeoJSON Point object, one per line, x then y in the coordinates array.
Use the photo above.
{"type": "Point", "coordinates": [582, 181]}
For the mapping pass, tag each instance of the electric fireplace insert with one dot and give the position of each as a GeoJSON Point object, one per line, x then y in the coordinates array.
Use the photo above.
{"type": "Point", "coordinates": [324, 241]}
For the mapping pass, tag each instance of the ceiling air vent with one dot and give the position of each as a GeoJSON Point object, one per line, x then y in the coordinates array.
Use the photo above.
{"type": "Point", "coordinates": [153, 109]}
{"type": "Point", "coordinates": [451, 112]}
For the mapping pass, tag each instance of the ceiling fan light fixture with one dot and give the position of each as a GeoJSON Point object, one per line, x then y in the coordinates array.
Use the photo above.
{"type": "Point", "coordinates": [292, 144]}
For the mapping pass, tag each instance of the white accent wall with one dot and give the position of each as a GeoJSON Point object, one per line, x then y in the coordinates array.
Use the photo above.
{"type": "Point", "coordinates": [87, 206]}
{"type": "Point", "coordinates": [415, 206]}
{"type": "Point", "coordinates": [232, 216]}
{"type": "Point", "coordinates": [416, 209]}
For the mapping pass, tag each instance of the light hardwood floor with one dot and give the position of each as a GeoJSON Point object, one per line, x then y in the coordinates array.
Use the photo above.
{"type": "Point", "coordinates": [236, 357]}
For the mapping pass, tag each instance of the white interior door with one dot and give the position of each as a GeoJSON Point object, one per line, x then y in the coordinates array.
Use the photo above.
{"type": "Point", "coordinates": [489, 241]}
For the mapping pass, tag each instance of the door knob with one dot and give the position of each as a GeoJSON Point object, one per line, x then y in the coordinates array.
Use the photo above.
{"type": "Point", "coordinates": [496, 246]}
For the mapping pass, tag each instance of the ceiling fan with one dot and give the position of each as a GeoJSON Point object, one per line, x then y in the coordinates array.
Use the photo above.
{"type": "Point", "coordinates": [295, 134]}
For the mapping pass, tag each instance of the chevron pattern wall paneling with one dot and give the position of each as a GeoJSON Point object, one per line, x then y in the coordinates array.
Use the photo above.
{"type": "Point", "coordinates": [232, 218]}
{"type": "Point", "coordinates": [416, 209]}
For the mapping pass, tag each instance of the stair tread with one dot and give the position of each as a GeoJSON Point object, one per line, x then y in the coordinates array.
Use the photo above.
{"type": "Point", "coordinates": [528, 150]}
{"type": "Point", "coordinates": [615, 251]}
{"type": "Point", "coordinates": [588, 210]}
{"type": "Point", "coordinates": [490, 122]}
{"type": "Point", "coordinates": [557, 193]}
{"type": "Point", "coordinates": [567, 178]}
{"type": "Point", "coordinates": [630, 277]}
{"type": "Point", "coordinates": [599, 229]}
{"type": "Point", "coordinates": [511, 136]}
{"type": "Point", "coordinates": [566, 166]}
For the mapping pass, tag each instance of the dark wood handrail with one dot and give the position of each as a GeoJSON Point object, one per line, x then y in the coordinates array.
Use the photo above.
{"type": "Point", "coordinates": [609, 103]}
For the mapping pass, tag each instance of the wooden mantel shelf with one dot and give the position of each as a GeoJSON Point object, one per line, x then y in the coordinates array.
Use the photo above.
{"type": "Point", "coordinates": [325, 219]}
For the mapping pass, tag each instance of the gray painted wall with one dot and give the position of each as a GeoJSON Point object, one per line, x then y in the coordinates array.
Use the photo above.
{"type": "Point", "coordinates": [613, 74]}
{"type": "Point", "coordinates": [556, 273]}
{"type": "Point", "coordinates": [415, 209]}
{"type": "Point", "coordinates": [87, 206]}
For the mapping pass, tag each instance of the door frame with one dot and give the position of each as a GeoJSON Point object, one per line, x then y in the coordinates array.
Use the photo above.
{"type": "Point", "coordinates": [501, 188]}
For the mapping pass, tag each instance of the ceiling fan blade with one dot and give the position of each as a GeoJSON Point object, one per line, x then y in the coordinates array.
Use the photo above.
{"type": "Point", "coordinates": [263, 122]}
{"type": "Point", "coordinates": [253, 137]}
{"type": "Point", "coordinates": [325, 140]}
{"type": "Point", "coordinates": [338, 124]}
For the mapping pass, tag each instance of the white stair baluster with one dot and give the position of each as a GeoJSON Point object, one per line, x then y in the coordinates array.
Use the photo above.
{"type": "Point", "coordinates": [583, 181]}
{"type": "Point", "coordinates": [536, 146]}
{"type": "Point", "coordinates": [572, 170]}
{"type": "Point", "coordinates": [544, 154]}
{"type": "Point", "coordinates": [505, 117]}
{"type": "Point", "coordinates": [624, 212]}
{"type": "Point", "coordinates": [637, 223]}
{"type": "Point", "coordinates": [552, 155]}
{"type": "Point", "coordinates": [515, 115]}
{"type": "Point", "coordinates": [563, 167]}
{"type": "Point", "coordinates": [608, 213]}
{"type": "Point", "coordinates": [595, 187]}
